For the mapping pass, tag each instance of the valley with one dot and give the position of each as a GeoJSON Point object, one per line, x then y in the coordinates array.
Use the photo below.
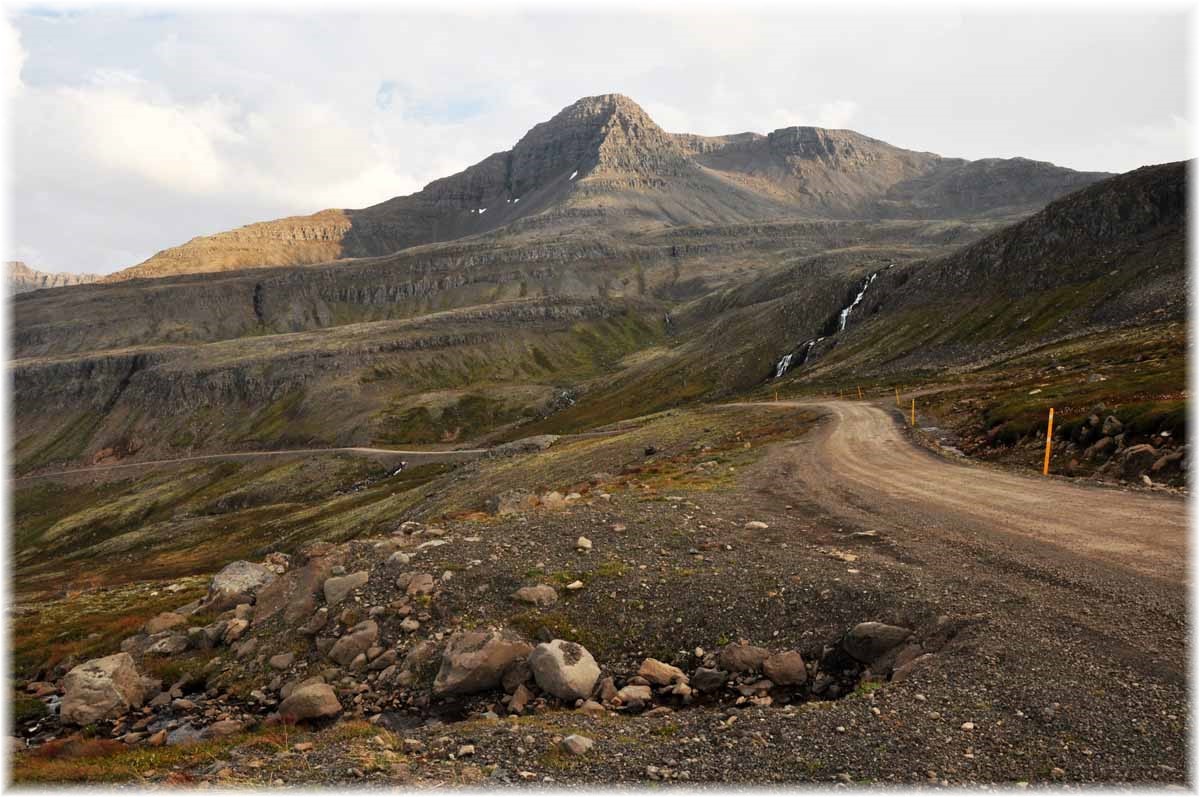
{"type": "Point", "coordinates": [752, 423]}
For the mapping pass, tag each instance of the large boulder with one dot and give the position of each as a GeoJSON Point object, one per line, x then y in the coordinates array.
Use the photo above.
{"type": "Point", "coordinates": [475, 661]}
{"type": "Point", "coordinates": [355, 641]}
{"type": "Point", "coordinates": [785, 669]}
{"type": "Point", "coordinates": [869, 642]}
{"type": "Point", "coordinates": [564, 669]}
{"type": "Point", "coordinates": [236, 583]}
{"type": "Point", "coordinates": [312, 701]}
{"type": "Point", "coordinates": [101, 689]}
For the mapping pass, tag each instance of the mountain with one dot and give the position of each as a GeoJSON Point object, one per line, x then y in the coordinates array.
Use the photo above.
{"type": "Point", "coordinates": [603, 161]}
{"type": "Point", "coordinates": [669, 269]}
{"type": "Point", "coordinates": [22, 278]}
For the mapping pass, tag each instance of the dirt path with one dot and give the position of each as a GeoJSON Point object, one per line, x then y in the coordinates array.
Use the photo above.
{"type": "Point", "coordinates": [417, 457]}
{"type": "Point", "coordinates": [860, 464]}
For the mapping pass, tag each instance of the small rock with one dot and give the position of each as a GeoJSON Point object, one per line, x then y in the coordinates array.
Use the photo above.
{"type": "Point", "coordinates": [540, 595]}
{"type": "Point", "coordinates": [576, 744]}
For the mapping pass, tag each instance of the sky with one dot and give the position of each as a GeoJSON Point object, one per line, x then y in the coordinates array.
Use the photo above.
{"type": "Point", "coordinates": [132, 131]}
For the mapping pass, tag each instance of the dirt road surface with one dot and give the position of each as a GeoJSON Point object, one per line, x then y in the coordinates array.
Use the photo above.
{"type": "Point", "coordinates": [861, 464]}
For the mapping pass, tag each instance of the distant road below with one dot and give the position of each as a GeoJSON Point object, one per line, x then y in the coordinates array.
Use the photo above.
{"type": "Point", "coordinates": [413, 457]}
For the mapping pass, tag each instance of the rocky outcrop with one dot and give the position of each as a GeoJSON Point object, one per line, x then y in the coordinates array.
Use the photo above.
{"type": "Point", "coordinates": [22, 278]}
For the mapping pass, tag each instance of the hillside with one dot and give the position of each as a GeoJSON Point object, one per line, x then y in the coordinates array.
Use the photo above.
{"type": "Point", "coordinates": [603, 160]}
{"type": "Point", "coordinates": [22, 278]}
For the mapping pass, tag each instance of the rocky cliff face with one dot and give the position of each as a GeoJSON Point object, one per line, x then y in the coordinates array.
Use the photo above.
{"type": "Point", "coordinates": [603, 162]}
{"type": "Point", "coordinates": [22, 278]}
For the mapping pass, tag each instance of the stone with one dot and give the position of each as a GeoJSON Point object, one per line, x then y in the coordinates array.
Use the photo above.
{"type": "Point", "coordinates": [184, 734]}
{"type": "Point", "coordinates": [1112, 426]}
{"type": "Point", "coordinates": [868, 642]}
{"type": "Point", "coordinates": [520, 698]}
{"type": "Point", "coordinates": [576, 744]}
{"type": "Point", "coordinates": [736, 657]}
{"type": "Point", "coordinates": [475, 661]}
{"type": "Point", "coordinates": [785, 669]}
{"type": "Point", "coordinates": [354, 642]}
{"type": "Point", "coordinates": [756, 524]}
{"type": "Point", "coordinates": [583, 544]}
{"type": "Point", "coordinates": [660, 673]}
{"type": "Point", "coordinates": [234, 630]}
{"type": "Point", "coordinates": [575, 585]}
{"type": "Point", "coordinates": [236, 583]}
{"type": "Point", "coordinates": [169, 645]}
{"type": "Point", "coordinates": [511, 502]}
{"type": "Point", "coordinates": [222, 728]}
{"type": "Point", "coordinates": [706, 679]}
{"type": "Point", "coordinates": [564, 669]}
{"type": "Point", "coordinates": [337, 588]}
{"type": "Point", "coordinates": [294, 595]}
{"type": "Point", "coordinates": [516, 674]}
{"type": "Point", "coordinates": [540, 595]}
{"type": "Point", "coordinates": [420, 584]}
{"type": "Point", "coordinates": [281, 661]}
{"type": "Point", "coordinates": [311, 701]}
{"type": "Point", "coordinates": [634, 695]}
{"type": "Point", "coordinates": [1138, 459]}
{"type": "Point", "coordinates": [399, 559]}
{"type": "Point", "coordinates": [384, 660]}
{"type": "Point", "coordinates": [592, 708]}
{"type": "Point", "coordinates": [101, 689]}
{"type": "Point", "coordinates": [315, 623]}
{"type": "Point", "coordinates": [164, 622]}
{"type": "Point", "coordinates": [553, 500]}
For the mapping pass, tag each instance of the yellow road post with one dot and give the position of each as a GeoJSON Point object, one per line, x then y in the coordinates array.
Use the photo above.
{"type": "Point", "coordinates": [914, 412]}
{"type": "Point", "coordinates": [1049, 440]}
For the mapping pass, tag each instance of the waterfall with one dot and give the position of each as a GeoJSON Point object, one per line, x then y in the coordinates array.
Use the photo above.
{"type": "Point", "coordinates": [785, 362]}
{"type": "Point", "coordinates": [845, 316]}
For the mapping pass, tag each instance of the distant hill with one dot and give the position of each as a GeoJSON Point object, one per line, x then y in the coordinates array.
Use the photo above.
{"type": "Point", "coordinates": [603, 163]}
{"type": "Point", "coordinates": [22, 278]}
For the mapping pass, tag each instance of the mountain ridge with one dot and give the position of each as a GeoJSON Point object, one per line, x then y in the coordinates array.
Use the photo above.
{"type": "Point", "coordinates": [604, 156]}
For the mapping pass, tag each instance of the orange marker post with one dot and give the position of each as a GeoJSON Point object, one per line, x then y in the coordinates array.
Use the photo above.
{"type": "Point", "coordinates": [897, 397]}
{"type": "Point", "coordinates": [1049, 440]}
{"type": "Point", "coordinates": [860, 394]}
{"type": "Point", "coordinates": [914, 412]}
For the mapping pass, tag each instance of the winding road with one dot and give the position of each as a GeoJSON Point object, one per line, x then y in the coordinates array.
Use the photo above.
{"type": "Point", "coordinates": [859, 463]}
{"type": "Point", "coordinates": [1103, 566]}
